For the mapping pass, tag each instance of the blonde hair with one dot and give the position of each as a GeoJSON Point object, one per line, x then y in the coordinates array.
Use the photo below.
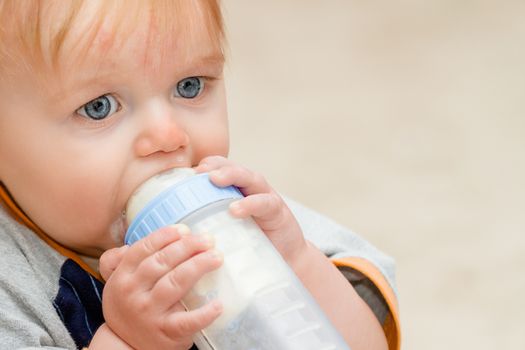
{"type": "Point", "coordinates": [33, 32]}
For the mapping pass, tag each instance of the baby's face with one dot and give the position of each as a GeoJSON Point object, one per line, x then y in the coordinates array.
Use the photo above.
{"type": "Point", "coordinates": [74, 146]}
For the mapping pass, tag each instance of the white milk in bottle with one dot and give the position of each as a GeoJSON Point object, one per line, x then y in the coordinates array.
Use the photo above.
{"type": "Point", "coordinates": [265, 305]}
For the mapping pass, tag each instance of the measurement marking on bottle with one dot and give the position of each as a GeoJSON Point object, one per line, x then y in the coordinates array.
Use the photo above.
{"type": "Point", "coordinates": [329, 347]}
{"type": "Point", "coordinates": [291, 308]}
{"type": "Point", "coordinates": [270, 289]}
{"type": "Point", "coordinates": [311, 328]}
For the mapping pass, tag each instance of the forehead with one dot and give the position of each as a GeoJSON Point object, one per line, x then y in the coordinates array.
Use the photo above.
{"type": "Point", "coordinates": [61, 35]}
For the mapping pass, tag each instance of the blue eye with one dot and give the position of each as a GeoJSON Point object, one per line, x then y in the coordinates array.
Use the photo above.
{"type": "Point", "coordinates": [190, 87]}
{"type": "Point", "coordinates": [99, 108]}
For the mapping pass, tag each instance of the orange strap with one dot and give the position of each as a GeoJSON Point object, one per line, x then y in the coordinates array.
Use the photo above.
{"type": "Point", "coordinates": [14, 210]}
{"type": "Point", "coordinates": [391, 326]}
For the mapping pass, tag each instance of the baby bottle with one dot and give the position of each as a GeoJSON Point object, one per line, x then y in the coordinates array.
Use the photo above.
{"type": "Point", "coordinates": [265, 306]}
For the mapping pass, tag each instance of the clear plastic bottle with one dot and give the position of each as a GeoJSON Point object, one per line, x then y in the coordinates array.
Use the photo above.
{"type": "Point", "coordinates": [265, 305]}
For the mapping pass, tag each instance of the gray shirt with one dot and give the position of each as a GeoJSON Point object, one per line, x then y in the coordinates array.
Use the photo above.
{"type": "Point", "coordinates": [30, 272]}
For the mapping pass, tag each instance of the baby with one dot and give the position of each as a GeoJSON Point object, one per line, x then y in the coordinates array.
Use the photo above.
{"type": "Point", "coordinates": [97, 96]}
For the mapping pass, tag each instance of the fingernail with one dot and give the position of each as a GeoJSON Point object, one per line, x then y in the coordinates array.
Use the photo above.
{"type": "Point", "coordinates": [235, 208]}
{"type": "Point", "coordinates": [215, 254]}
{"type": "Point", "coordinates": [206, 238]}
{"type": "Point", "coordinates": [181, 229]}
{"type": "Point", "coordinates": [201, 167]}
{"type": "Point", "coordinates": [216, 305]}
{"type": "Point", "coordinates": [217, 174]}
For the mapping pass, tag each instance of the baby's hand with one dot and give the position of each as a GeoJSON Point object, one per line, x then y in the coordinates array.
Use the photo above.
{"type": "Point", "coordinates": [141, 300]}
{"type": "Point", "coordinates": [261, 202]}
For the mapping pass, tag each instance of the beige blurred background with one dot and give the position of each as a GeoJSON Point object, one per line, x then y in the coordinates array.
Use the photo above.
{"type": "Point", "coordinates": [405, 122]}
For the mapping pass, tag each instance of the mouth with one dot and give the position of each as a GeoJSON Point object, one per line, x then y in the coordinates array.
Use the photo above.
{"type": "Point", "coordinates": [120, 225]}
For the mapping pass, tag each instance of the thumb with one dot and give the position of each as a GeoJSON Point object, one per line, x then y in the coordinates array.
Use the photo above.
{"type": "Point", "coordinates": [110, 260]}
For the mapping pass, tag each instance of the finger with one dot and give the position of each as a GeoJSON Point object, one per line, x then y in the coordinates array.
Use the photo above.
{"type": "Point", "coordinates": [177, 283]}
{"type": "Point", "coordinates": [150, 244]}
{"type": "Point", "coordinates": [265, 208]}
{"type": "Point", "coordinates": [160, 263]}
{"type": "Point", "coordinates": [212, 162]}
{"type": "Point", "coordinates": [110, 259]}
{"type": "Point", "coordinates": [247, 181]}
{"type": "Point", "coordinates": [183, 324]}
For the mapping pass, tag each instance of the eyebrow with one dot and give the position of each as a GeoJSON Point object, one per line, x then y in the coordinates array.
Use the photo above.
{"type": "Point", "coordinates": [212, 58]}
{"type": "Point", "coordinates": [99, 79]}
{"type": "Point", "coordinates": [208, 60]}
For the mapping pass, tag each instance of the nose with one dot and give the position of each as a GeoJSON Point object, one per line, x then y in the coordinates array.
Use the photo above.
{"type": "Point", "coordinates": [160, 132]}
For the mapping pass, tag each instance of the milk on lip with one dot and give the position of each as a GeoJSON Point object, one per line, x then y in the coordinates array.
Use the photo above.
{"type": "Point", "coordinates": [117, 229]}
{"type": "Point", "coordinates": [265, 305]}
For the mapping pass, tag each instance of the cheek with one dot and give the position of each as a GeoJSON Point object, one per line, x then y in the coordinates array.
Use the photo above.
{"type": "Point", "coordinates": [210, 139]}
{"type": "Point", "coordinates": [213, 134]}
{"type": "Point", "coordinates": [79, 200]}
{"type": "Point", "coordinates": [76, 192]}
